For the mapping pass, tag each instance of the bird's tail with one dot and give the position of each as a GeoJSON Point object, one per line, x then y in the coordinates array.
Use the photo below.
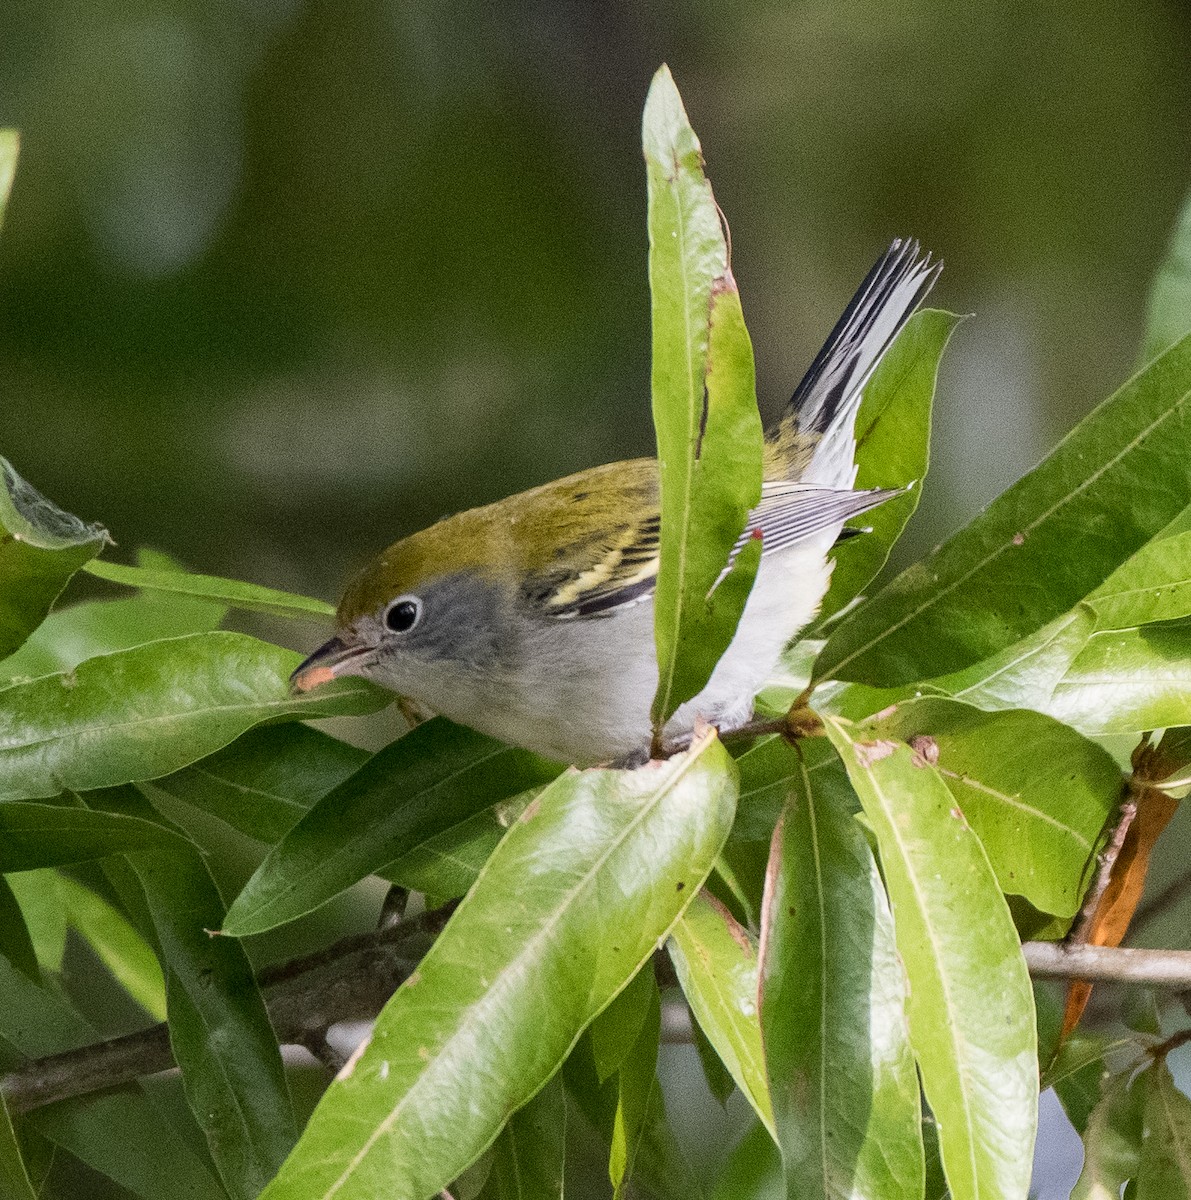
{"type": "Point", "coordinates": [815, 441]}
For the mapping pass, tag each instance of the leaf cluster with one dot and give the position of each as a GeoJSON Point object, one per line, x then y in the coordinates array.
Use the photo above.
{"type": "Point", "coordinates": [840, 915]}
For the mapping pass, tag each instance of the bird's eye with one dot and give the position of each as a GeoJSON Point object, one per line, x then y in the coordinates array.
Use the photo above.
{"type": "Point", "coordinates": [403, 614]}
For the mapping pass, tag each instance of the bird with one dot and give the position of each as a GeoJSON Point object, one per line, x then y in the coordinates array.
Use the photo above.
{"type": "Point", "coordinates": [530, 619]}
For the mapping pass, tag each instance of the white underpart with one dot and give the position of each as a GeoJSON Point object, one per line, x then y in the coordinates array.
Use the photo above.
{"type": "Point", "coordinates": [587, 697]}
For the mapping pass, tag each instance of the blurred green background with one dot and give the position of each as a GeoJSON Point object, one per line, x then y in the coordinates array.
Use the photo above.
{"type": "Point", "coordinates": [282, 281]}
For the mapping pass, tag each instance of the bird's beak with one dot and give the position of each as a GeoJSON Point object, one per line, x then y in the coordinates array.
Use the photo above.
{"type": "Point", "coordinates": [329, 661]}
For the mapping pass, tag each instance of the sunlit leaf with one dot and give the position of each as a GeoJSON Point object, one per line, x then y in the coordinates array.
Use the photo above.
{"type": "Point", "coordinates": [232, 592]}
{"type": "Point", "coordinates": [15, 943]}
{"type": "Point", "coordinates": [1036, 792]}
{"type": "Point", "coordinates": [964, 964]}
{"type": "Point", "coordinates": [833, 1011]}
{"type": "Point", "coordinates": [117, 944]}
{"type": "Point", "coordinates": [566, 911]}
{"type": "Point", "coordinates": [716, 962]}
{"type": "Point", "coordinates": [704, 407]}
{"type": "Point", "coordinates": [892, 449]}
{"type": "Point", "coordinates": [434, 777]}
{"type": "Point", "coordinates": [151, 710]}
{"type": "Point", "coordinates": [41, 547]}
{"type": "Point", "coordinates": [1010, 571]}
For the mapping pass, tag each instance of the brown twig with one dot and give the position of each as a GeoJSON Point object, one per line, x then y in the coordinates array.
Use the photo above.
{"type": "Point", "coordinates": [305, 997]}
{"type": "Point", "coordinates": [1082, 929]}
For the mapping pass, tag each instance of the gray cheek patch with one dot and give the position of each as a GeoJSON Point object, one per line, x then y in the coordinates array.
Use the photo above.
{"type": "Point", "coordinates": [465, 620]}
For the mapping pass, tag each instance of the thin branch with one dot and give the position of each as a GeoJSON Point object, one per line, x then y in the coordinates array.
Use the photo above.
{"type": "Point", "coordinates": [1082, 929]}
{"type": "Point", "coordinates": [351, 979]}
{"type": "Point", "coordinates": [1110, 964]}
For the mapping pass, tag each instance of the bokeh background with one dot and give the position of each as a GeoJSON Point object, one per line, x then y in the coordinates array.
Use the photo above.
{"type": "Point", "coordinates": [282, 281]}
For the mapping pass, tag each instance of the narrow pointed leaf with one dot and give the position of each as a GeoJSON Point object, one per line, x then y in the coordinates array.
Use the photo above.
{"type": "Point", "coordinates": [151, 710]}
{"type": "Point", "coordinates": [567, 910]}
{"type": "Point", "coordinates": [1036, 792]}
{"type": "Point", "coordinates": [529, 1157]}
{"type": "Point", "coordinates": [219, 1029]}
{"type": "Point", "coordinates": [117, 944]}
{"type": "Point", "coordinates": [994, 582]}
{"type": "Point", "coordinates": [716, 962]}
{"type": "Point", "coordinates": [892, 449]}
{"type": "Point", "coordinates": [970, 1007]}
{"type": "Point", "coordinates": [1164, 1171]}
{"type": "Point", "coordinates": [704, 407]}
{"type": "Point", "coordinates": [615, 1031]}
{"type": "Point", "coordinates": [833, 999]}
{"type": "Point", "coordinates": [639, 1095]}
{"type": "Point", "coordinates": [1168, 317]}
{"type": "Point", "coordinates": [232, 592]}
{"type": "Point", "coordinates": [38, 1022]}
{"type": "Point", "coordinates": [1112, 1140]}
{"type": "Point", "coordinates": [41, 547]}
{"type": "Point", "coordinates": [434, 777]}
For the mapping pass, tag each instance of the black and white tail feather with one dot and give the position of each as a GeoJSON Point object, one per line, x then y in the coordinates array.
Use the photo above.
{"type": "Point", "coordinates": [817, 436]}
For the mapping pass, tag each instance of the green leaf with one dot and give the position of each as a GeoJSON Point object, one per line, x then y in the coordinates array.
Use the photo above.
{"type": "Point", "coordinates": [14, 1179]}
{"type": "Point", "coordinates": [117, 944]}
{"type": "Point", "coordinates": [1036, 792]}
{"type": "Point", "coordinates": [267, 779]}
{"type": "Point", "coordinates": [219, 1029]}
{"type": "Point", "coordinates": [69, 635]}
{"type": "Point", "coordinates": [616, 1030]}
{"type": "Point", "coordinates": [151, 710]}
{"type": "Point", "coordinates": [754, 1170]}
{"type": "Point", "coordinates": [99, 1129]}
{"type": "Point", "coordinates": [833, 1011]}
{"type": "Point", "coordinates": [892, 449]}
{"type": "Point", "coordinates": [1112, 1140]}
{"type": "Point", "coordinates": [529, 1156]}
{"type": "Point", "coordinates": [1169, 314]}
{"type": "Point", "coordinates": [964, 964]}
{"type": "Point", "coordinates": [434, 777]}
{"type": "Point", "coordinates": [716, 962]}
{"type": "Point", "coordinates": [10, 151]}
{"type": "Point", "coordinates": [41, 547]}
{"type": "Point", "coordinates": [1164, 1171]}
{"type": "Point", "coordinates": [997, 580]}
{"type": "Point", "coordinates": [37, 894]}
{"type": "Point", "coordinates": [446, 865]}
{"type": "Point", "coordinates": [15, 943]}
{"type": "Point", "coordinates": [704, 408]}
{"type": "Point", "coordinates": [567, 910]}
{"type": "Point", "coordinates": [231, 592]}
{"type": "Point", "coordinates": [638, 1094]}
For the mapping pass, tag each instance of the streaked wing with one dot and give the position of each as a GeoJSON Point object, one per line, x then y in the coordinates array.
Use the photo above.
{"type": "Point", "coordinates": [623, 569]}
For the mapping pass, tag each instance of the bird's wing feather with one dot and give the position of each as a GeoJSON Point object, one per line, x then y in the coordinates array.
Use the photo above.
{"type": "Point", "coordinates": [622, 568]}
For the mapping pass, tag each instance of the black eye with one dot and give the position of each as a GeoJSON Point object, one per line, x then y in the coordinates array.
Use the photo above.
{"type": "Point", "coordinates": [403, 614]}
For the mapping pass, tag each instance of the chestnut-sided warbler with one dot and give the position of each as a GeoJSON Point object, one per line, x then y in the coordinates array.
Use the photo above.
{"type": "Point", "coordinates": [531, 619]}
